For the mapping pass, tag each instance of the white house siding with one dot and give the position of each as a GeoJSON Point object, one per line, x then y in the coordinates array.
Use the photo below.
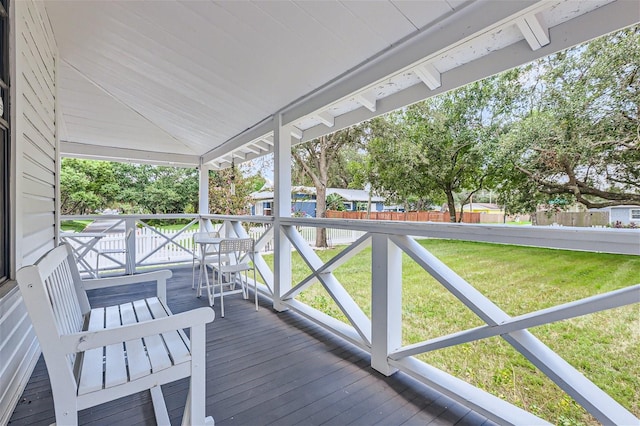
{"type": "Point", "coordinates": [35, 179]}
{"type": "Point", "coordinates": [622, 214]}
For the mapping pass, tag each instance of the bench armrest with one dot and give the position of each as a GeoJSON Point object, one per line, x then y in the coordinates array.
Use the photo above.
{"type": "Point", "coordinates": [160, 277]}
{"type": "Point", "coordinates": [85, 340]}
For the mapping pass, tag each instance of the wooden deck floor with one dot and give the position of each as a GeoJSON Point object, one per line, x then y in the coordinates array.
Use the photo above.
{"type": "Point", "coordinates": [265, 368]}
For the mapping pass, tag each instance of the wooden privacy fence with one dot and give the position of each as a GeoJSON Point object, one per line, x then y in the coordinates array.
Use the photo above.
{"type": "Point", "coordinates": [419, 216]}
{"type": "Point", "coordinates": [586, 219]}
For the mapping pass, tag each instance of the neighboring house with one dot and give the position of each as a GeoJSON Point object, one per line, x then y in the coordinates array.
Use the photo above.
{"type": "Point", "coordinates": [625, 215]}
{"type": "Point", "coordinates": [304, 200]}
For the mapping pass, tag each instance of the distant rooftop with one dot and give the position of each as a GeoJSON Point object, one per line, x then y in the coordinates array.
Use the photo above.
{"type": "Point", "coordinates": [347, 194]}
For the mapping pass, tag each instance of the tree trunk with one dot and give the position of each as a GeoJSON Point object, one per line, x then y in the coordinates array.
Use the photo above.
{"type": "Point", "coordinates": [321, 212]}
{"type": "Point", "coordinates": [451, 205]}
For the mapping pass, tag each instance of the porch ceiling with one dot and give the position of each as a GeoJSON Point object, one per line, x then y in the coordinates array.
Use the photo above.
{"type": "Point", "coordinates": [174, 82]}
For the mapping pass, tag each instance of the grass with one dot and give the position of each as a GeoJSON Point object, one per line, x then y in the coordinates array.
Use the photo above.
{"type": "Point", "coordinates": [79, 225]}
{"type": "Point", "coordinates": [603, 346]}
{"type": "Point", "coordinates": [74, 225]}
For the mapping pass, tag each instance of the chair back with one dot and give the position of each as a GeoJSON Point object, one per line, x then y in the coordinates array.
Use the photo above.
{"type": "Point", "coordinates": [239, 250]}
{"type": "Point", "coordinates": [57, 304]}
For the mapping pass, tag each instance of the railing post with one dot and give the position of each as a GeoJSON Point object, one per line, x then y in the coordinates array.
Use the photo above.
{"type": "Point", "coordinates": [386, 302]}
{"type": "Point", "coordinates": [203, 196]}
{"type": "Point", "coordinates": [130, 258]}
{"type": "Point", "coordinates": [281, 209]}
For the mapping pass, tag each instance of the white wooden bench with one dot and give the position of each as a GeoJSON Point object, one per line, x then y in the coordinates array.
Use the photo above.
{"type": "Point", "coordinates": [101, 354]}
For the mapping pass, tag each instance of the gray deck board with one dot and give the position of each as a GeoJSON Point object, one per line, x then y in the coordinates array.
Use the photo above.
{"type": "Point", "coordinates": [265, 368]}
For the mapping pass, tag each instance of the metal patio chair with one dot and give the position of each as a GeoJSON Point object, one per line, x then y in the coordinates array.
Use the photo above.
{"type": "Point", "coordinates": [235, 260]}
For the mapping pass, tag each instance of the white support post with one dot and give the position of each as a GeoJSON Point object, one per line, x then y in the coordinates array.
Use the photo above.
{"type": "Point", "coordinates": [130, 259]}
{"type": "Point", "coordinates": [203, 194]}
{"type": "Point", "coordinates": [281, 208]}
{"type": "Point", "coordinates": [386, 302]}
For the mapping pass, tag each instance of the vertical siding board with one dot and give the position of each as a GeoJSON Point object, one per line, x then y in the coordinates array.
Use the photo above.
{"type": "Point", "coordinates": [36, 162]}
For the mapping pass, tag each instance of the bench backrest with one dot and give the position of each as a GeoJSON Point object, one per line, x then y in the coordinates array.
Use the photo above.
{"type": "Point", "coordinates": [57, 304]}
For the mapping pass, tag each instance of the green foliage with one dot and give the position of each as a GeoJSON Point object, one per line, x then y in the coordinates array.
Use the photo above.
{"type": "Point", "coordinates": [328, 160]}
{"type": "Point", "coordinates": [335, 202]}
{"type": "Point", "coordinates": [437, 148]}
{"type": "Point", "coordinates": [578, 135]}
{"type": "Point", "coordinates": [156, 189]}
{"type": "Point", "coordinates": [86, 186]}
{"type": "Point", "coordinates": [222, 201]}
{"type": "Point", "coordinates": [564, 127]}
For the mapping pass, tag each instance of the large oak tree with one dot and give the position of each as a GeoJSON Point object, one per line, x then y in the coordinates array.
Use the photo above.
{"type": "Point", "coordinates": [580, 134]}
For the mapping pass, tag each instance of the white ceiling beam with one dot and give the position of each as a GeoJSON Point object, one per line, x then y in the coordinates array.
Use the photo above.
{"type": "Point", "coordinates": [222, 164]}
{"type": "Point", "coordinates": [534, 31]}
{"type": "Point", "coordinates": [601, 21]}
{"type": "Point", "coordinates": [367, 100]}
{"type": "Point", "coordinates": [252, 148]}
{"type": "Point", "coordinates": [254, 133]}
{"type": "Point", "coordinates": [470, 19]}
{"type": "Point", "coordinates": [126, 155]}
{"type": "Point", "coordinates": [263, 145]}
{"type": "Point", "coordinates": [296, 133]}
{"type": "Point", "coordinates": [268, 140]}
{"type": "Point", "coordinates": [326, 118]}
{"type": "Point", "coordinates": [429, 75]}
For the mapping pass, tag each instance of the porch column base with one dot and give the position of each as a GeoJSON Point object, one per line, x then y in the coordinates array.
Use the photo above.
{"type": "Point", "coordinates": [279, 306]}
{"type": "Point", "coordinates": [382, 366]}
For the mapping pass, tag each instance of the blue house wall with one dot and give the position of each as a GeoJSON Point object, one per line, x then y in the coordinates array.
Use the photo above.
{"type": "Point", "coordinates": [306, 207]}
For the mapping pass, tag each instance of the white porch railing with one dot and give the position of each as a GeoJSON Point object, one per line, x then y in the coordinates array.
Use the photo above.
{"type": "Point", "coordinates": [381, 334]}
{"type": "Point", "coordinates": [158, 246]}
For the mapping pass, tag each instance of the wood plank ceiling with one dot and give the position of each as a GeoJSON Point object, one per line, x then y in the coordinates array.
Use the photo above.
{"type": "Point", "coordinates": [176, 81]}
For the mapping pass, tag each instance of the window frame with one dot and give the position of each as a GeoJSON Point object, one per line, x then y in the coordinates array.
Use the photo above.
{"type": "Point", "coordinates": [635, 217]}
{"type": "Point", "coordinates": [5, 143]}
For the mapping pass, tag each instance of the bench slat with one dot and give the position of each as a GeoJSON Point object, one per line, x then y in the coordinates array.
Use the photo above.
{"type": "Point", "coordinates": [155, 345]}
{"type": "Point", "coordinates": [178, 348]}
{"type": "Point", "coordinates": [92, 363]}
{"type": "Point", "coordinates": [115, 366]}
{"type": "Point", "coordinates": [137, 359]}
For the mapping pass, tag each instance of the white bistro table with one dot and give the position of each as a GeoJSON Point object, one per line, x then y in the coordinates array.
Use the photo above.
{"type": "Point", "coordinates": [203, 240]}
{"type": "Point", "coordinates": [82, 243]}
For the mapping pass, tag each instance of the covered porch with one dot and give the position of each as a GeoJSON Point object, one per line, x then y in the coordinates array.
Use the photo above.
{"type": "Point", "coordinates": [211, 84]}
{"type": "Point", "coordinates": [265, 368]}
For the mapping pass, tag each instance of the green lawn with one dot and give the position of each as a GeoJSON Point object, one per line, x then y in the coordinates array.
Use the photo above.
{"type": "Point", "coordinates": [74, 225]}
{"type": "Point", "coordinates": [79, 225]}
{"type": "Point", "coordinates": [605, 347]}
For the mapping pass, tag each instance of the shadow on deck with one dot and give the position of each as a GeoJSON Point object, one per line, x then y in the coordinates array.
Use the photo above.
{"type": "Point", "coordinates": [265, 368]}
